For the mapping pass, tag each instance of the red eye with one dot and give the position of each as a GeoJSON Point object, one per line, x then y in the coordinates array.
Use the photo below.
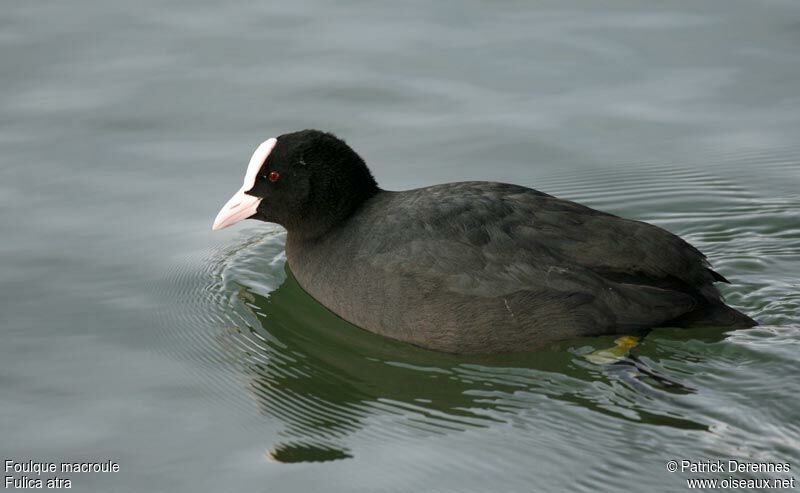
{"type": "Point", "coordinates": [273, 176]}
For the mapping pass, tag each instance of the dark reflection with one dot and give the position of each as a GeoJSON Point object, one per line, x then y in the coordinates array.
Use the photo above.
{"type": "Point", "coordinates": [303, 452]}
{"type": "Point", "coordinates": [323, 378]}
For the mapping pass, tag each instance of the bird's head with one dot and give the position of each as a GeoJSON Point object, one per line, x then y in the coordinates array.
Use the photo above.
{"type": "Point", "coordinates": [306, 181]}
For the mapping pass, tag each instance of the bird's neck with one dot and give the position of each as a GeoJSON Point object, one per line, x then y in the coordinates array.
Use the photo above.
{"type": "Point", "coordinates": [315, 225]}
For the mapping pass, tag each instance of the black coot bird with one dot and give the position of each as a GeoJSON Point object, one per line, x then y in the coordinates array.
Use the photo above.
{"type": "Point", "coordinates": [470, 267]}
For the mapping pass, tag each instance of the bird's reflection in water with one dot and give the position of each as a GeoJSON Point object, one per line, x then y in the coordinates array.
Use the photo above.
{"type": "Point", "coordinates": [326, 380]}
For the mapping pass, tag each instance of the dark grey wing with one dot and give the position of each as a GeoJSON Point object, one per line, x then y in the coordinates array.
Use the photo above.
{"type": "Point", "coordinates": [493, 240]}
{"type": "Point", "coordinates": [618, 249]}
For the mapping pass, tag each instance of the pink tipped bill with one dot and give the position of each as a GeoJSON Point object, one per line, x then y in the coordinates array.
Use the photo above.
{"type": "Point", "coordinates": [241, 205]}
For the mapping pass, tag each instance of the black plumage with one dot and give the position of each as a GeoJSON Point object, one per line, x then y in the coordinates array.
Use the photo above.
{"type": "Point", "coordinates": [475, 267]}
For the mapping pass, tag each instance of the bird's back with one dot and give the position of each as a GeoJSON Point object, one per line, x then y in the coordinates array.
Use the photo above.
{"type": "Point", "coordinates": [486, 267]}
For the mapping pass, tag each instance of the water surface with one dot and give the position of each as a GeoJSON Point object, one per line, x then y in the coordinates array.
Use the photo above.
{"type": "Point", "coordinates": [132, 333]}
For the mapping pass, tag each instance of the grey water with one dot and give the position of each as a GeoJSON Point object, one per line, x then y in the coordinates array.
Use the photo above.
{"type": "Point", "coordinates": [132, 333]}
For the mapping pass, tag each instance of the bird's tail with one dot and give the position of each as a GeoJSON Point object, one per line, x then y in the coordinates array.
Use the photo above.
{"type": "Point", "coordinates": [715, 314]}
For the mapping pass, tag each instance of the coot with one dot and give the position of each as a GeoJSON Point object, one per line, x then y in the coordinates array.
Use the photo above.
{"type": "Point", "coordinates": [469, 267]}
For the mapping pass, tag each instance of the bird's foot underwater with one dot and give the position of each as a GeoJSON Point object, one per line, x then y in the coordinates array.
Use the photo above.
{"type": "Point", "coordinates": [619, 363]}
{"type": "Point", "coordinates": [619, 351]}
